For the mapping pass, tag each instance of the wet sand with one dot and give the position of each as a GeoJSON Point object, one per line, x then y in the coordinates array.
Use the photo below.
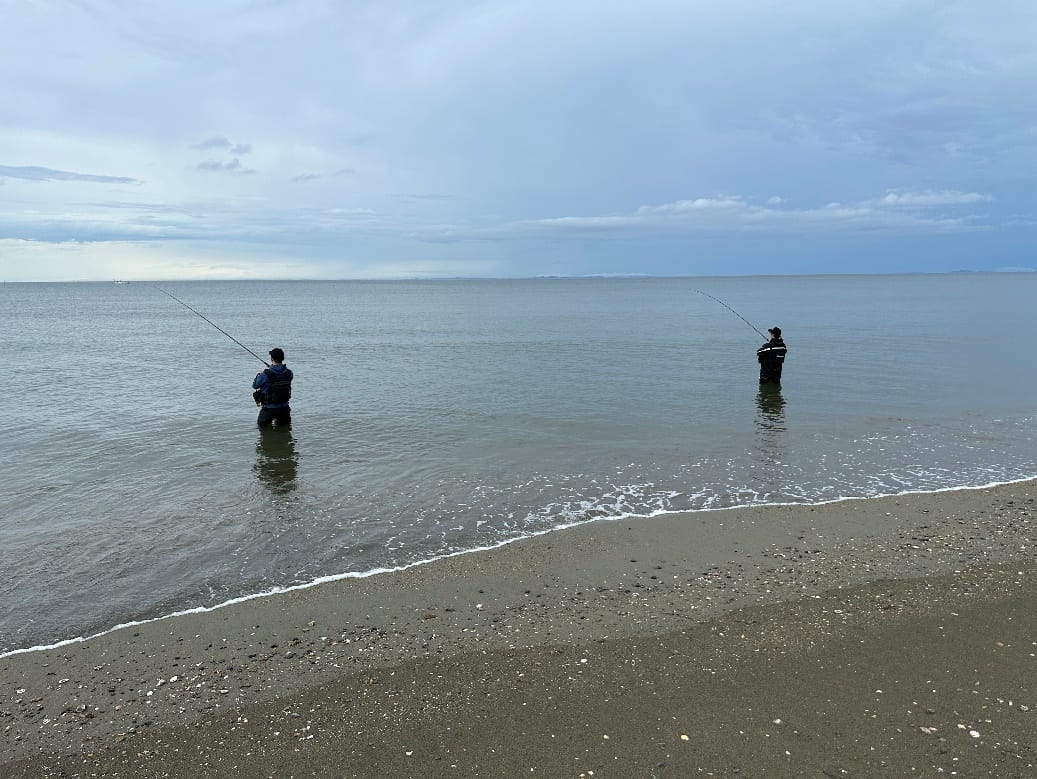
{"type": "Point", "coordinates": [886, 637]}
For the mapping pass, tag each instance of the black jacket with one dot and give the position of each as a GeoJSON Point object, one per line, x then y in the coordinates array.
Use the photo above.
{"type": "Point", "coordinates": [771, 357]}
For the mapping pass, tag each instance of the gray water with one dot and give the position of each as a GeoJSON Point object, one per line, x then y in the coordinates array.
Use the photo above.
{"type": "Point", "coordinates": [441, 416]}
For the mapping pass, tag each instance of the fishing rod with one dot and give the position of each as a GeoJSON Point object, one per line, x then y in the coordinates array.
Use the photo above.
{"type": "Point", "coordinates": [721, 302]}
{"type": "Point", "coordinates": [235, 340]}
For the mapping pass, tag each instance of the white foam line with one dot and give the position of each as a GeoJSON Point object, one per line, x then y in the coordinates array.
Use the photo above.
{"type": "Point", "coordinates": [378, 571]}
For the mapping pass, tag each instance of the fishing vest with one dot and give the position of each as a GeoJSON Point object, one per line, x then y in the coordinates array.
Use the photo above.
{"type": "Point", "coordinates": [772, 353]}
{"type": "Point", "coordinates": [279, 386]}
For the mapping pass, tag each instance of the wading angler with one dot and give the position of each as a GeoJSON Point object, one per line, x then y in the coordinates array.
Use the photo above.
{"type": "Point", "coordinates": [273, 391]}
{"type": "Point", "coordinates": [771, 357]}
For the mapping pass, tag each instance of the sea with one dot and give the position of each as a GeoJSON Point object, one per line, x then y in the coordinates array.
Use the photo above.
{"type": "Point", "coordinates": [433, 418]}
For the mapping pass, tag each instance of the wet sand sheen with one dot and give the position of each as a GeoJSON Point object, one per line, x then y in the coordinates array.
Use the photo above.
{"type": "Point", "coordinates": [867, 636]}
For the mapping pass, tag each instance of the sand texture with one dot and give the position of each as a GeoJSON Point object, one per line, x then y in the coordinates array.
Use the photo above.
{"type": "Point", "coordinates": [885, 637]}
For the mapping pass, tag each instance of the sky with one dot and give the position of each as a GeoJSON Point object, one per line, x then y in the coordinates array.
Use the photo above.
{"type": "Point", "coordinates": [514, 138]}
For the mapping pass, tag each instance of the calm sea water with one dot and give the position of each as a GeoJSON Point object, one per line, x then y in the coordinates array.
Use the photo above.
{"type": "Point", "coordinates": [437, 417]}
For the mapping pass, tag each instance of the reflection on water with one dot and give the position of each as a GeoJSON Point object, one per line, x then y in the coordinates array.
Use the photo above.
{"type": "Point", "coordinates": [770, 422]}
{"type": "Point", "coordinates": [276, 461]}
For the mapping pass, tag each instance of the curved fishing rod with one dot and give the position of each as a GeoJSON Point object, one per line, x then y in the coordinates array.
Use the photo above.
{"type": "Point", "coordinates": [721, 302]}
{"type": "Point", "coordinates": [235, 340]}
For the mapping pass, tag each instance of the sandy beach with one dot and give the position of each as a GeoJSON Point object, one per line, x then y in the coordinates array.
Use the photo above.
{"type": "Point", "coordinates": [884, 637]}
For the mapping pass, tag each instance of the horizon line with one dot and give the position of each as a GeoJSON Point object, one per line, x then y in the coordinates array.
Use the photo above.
{"type": "Point", "coordinates": [537, 277]}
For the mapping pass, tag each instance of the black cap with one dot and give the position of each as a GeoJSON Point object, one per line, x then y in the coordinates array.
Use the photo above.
{"type": "Point", "coordinates": [277, 354]}
{"type": "Point", "coordinates": [775, 331]}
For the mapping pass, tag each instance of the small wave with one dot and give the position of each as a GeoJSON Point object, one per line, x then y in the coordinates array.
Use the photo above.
{"type": "Point", "coordinates": [567, 525]}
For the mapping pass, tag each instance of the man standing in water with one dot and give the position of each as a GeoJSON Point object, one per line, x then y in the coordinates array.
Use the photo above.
{"type": "Point", "coordinates": [273, 390]}
{"type": "Point", "coordinates": [771, 356]}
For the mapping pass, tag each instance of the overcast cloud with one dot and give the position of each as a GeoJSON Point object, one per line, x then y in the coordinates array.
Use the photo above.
{"type": "Point", "coordinates": [515, 138]}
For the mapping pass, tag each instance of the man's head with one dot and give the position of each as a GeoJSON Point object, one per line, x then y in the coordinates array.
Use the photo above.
{"type": "Point", "coordinates": [774, 331]}
{"type": "Point", "coordinates": [277, 354]}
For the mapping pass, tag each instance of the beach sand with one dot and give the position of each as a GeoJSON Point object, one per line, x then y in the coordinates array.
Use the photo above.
{"type": "Point", "coordinates": [884, 637]}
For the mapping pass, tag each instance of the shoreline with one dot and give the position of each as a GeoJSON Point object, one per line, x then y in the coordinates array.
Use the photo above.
{"type": "Point", "coordinates": [622, 595]}
{"type": "Point", "coordinates": [334, 578]}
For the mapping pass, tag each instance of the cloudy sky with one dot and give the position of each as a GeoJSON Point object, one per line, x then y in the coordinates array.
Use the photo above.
{"type": "Point", "coordinates": [408, 138]}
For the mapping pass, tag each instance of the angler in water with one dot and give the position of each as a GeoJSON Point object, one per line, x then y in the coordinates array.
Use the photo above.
{"type": "Point", "coordinates": [273, 391]}
{"type": "Point", "coordinates": [771, 357]}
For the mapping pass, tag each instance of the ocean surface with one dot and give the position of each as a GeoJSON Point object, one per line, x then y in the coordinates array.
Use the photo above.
{"type": "Point", "coordinates": [434, 417]}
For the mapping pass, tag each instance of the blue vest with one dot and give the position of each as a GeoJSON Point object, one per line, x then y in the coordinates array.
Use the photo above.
{"type": "Point", "coordinates": [278, 389]}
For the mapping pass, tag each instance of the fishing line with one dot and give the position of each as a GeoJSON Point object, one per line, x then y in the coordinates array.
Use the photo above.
{"type": "Point", "coordinates": [721, 302]}
{"type": "Point", "coordinates": [235, 340]}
